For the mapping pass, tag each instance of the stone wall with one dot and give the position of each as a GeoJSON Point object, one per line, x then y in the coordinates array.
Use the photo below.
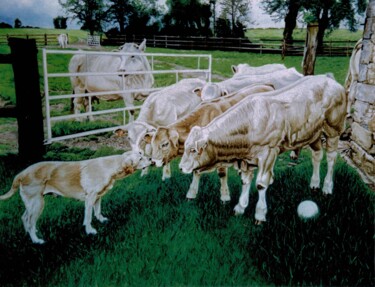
{"type": "Point", "coordinates": [362, 140]}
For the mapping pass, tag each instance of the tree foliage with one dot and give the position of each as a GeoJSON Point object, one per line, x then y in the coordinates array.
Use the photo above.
{"type": "Point", "coordinates": [60, 22]}
{"type": "Point", "coordinates": [187, 17]}
{"type": "Point", "coordinates": [329, 14]}
{"type": "Point", "coordinates": [236, 11]}
{"type": "Point", "coordinates": [90, 13]}
{"type": "Point", "coordinates": [190, 17]}
{"type": "Point", "coordinates": [17, 23]}
{"type": "Point", "coordinates": [146, 18]}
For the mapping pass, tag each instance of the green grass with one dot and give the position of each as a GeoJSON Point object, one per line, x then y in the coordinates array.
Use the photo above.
{"type": "Point", "coordinates": [300, 34]}
{"type": "Point", "coordinates": [155, 237]}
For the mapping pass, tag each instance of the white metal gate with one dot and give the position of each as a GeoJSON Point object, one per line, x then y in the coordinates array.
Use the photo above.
{"type": "Point", "coordinates": [152, 57]}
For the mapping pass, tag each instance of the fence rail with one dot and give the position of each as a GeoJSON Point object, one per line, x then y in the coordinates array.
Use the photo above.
{"type": "Point", "coordinates": [272, 46]}
{"type": "Point", "coordinates": [40, 39]}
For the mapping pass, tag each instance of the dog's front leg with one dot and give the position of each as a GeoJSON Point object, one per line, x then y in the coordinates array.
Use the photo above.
{"type": "Point", "coordinates": [98, 211]}
{"type": "Point", "coordinates": [89, 203]}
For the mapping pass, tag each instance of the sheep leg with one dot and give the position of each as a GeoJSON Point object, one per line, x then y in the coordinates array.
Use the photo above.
{"type": "Point", "coordinates": [317, 155]}
{"type": "Point", "coordinates": [246, 178]}
{"type": "Point", "coordinates": [331, 146]}
{"type": "Point", "coordinates": [193, 189]}
{"type": "Point", "coordinates": [264, 179]}
{"type": "Point", "coordinates": [224, 189]}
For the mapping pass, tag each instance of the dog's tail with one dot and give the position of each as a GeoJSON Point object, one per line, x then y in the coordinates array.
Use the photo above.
{"type": "Point", "coordinates": [15, 186]}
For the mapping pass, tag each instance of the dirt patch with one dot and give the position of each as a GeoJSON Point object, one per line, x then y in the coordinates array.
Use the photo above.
{"type": "Point", "coordinates": [97, 142]}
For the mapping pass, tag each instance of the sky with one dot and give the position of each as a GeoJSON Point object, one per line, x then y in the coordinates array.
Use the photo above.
{"type": "Point", "coordinates": [40, 13]}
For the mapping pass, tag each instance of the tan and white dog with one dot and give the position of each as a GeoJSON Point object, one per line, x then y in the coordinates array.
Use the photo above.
{"type": "Point", "coordinates": [87, 180]}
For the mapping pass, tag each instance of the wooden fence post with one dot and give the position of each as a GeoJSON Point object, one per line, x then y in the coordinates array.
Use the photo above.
{"type": "Point", "coordinates": [28, 98]}
{"type": "Point", "coordinates": [309, 55]}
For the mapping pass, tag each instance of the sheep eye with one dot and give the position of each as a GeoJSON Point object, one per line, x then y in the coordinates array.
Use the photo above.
{"type": "Point", "coordinates": [165, 144]}
{"type": "Point", "coordinates": [192, 150]}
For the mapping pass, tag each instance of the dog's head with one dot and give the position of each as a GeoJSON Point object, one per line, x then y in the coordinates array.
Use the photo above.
{"type": "Point", "coordinates": [134, 160]}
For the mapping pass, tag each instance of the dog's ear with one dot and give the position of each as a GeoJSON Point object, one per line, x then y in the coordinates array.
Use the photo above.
{"type": "Point", "coordinates": [147, 138]}
{"type": "Point", "coordinates": [198, 91]}
{"type": "Point", "coordinates": [121, 132]}
{"type": "Point", "coordinates": [129, 169]}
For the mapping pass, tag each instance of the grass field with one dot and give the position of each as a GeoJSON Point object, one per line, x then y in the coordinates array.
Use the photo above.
{"type": "Point", "coordinates": [300, 34]}
{"type": "Point", "coordinates": [155, 237]}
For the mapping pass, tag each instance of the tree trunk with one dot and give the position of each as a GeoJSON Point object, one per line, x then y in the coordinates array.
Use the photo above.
{"type": "Point", "coordinates": [309, 56]}
{"type": "Point", "coordinates": [323, 25]}
{"type": "Point", "coordinates": [290, 21]}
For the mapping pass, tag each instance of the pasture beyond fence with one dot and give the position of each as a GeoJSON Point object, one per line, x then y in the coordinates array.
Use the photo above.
{"type": "Point", "coordinates": [40, 39]}
{"type": "Point", "coordinates": [270, 46]}
{"type": "Point", "coordinates": [53, 100]}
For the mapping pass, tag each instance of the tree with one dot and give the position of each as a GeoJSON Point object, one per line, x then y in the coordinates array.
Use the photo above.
{"type": "Point", "coordinates": [187, 17]}
{"type": "Point", "coordinates": [5, 25]}
{"type": "Point", "coordinates": [17, 23]}
{"type": "Point", "coordinates": [120, 11]}
{"type": "Point", "coordinates": [287, 10]}
{"type": "Point", "coordinates": [236, 12]}
{"type": "Point", "coordinates": [60, 22]}
{"type": "Point", "coordinates": [329, 14]}
{"type": "Point", "coordinates": [90, 13]}
{"type": "Point", "coordinates": [146, 18]}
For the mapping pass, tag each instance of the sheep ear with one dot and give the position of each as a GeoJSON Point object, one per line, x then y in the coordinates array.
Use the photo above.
{"type": "Point", "coordinates": [174, 136]}
{"type": "Point", "coordinates": [121, 133]}
{"type": "Point", "coordinates": [200, 146]}
{"type": "Point", "coordinates": [151, 130]}
{"type": "Point", "coordinates": [147, 138]}
{"type": "Point", "coordinates": [142, 46]}
{"type": "Point", "coordinates": [234, 69]}
{"type": "Point", "coordinates": [198, 91]}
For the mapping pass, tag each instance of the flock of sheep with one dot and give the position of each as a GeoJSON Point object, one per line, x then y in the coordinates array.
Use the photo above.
{"type": "Point", "coordinates": [245, 121]}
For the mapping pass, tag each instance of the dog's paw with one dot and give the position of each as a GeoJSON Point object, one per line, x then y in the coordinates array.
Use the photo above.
{"type": "Point", "coordinates": [91, 230]}
{"type": "Point", "coordinates": [38, 241]}
{"type": "Point", "coordinates": [102, 219]}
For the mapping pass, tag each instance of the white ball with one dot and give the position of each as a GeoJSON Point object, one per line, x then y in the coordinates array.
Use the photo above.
{"type": "Point", "coordinates": [307, 209]}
